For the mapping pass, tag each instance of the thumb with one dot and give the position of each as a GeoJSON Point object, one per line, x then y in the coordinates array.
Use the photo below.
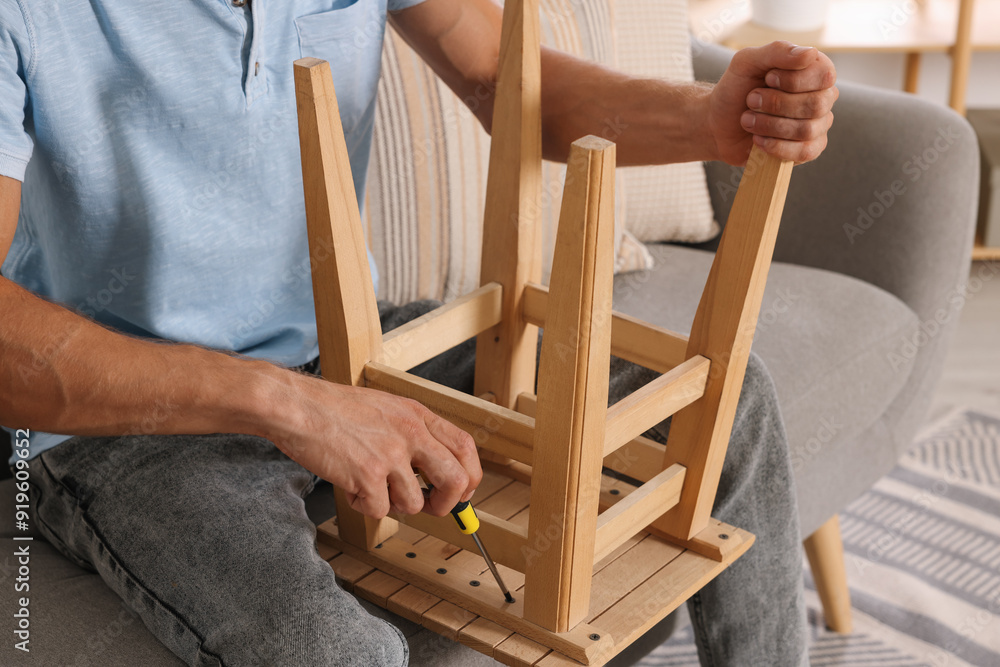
{"type": "Point", "coordinates": [755, 62]}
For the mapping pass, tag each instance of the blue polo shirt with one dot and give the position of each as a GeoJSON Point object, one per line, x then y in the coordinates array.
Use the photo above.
{"type": "Point", "coordinates": [158, 148]}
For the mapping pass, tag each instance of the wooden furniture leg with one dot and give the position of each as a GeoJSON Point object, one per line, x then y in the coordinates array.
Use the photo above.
{"type": "Point", "coordinates": [825, 552]}
{"type": "Point", "coordinates": [571, 410]}
{"type": "Point", "coordinates": [350, 333]}
{"type": "Point", "coordinates": [961, 57]}
{"type": "Point", "coordinates": [512, 250]}
{"type": "Point", "coordinates": [723, 330]}
{"type": "Point", "coordinates": [911, 74]}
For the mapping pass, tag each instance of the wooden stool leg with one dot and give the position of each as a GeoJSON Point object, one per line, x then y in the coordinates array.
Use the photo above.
{"type": "Point", "coordinates": [512, 251]}
{"type": "Point", "coordinates": [723, 332]}
{"type": "Point", "coordinates": [825, 552]}
{"type": "Point", "coordinates": [572, 394]}
{"type": "Point", "coordinates": [350, 333]}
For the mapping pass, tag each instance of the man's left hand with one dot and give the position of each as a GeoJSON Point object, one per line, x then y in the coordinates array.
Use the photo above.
{"type": "Point", "coordinates": [777, 96]}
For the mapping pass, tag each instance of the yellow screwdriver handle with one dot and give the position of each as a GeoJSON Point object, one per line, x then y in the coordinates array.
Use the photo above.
{"type": "Point", "coordinates": [466, 518]}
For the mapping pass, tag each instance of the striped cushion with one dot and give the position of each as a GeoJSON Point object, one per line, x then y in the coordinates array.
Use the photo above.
{"type": "Point", "coordinates": [427, 181]}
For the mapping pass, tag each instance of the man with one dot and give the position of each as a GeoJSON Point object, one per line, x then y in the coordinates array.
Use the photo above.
{"type": "Point", "coordinates": [161, 201]}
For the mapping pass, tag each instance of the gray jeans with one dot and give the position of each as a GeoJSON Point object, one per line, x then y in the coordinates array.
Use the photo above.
{"type": "Point", "coordinates": [207, 539]}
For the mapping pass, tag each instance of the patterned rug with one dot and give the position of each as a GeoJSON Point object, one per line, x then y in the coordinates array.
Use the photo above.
{"type": "Point", "coordinates": [923, 560]}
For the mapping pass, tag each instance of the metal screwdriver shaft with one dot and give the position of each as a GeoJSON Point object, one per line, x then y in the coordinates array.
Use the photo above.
{"type": "Point", "coordinates": [468, 522]}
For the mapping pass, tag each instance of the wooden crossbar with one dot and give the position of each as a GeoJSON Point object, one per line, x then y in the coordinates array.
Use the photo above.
{"type": "Point", "coordinates": [640, 458]}
{"type": "Point", "coordinates": [493, 427]}
{"type": "Point", "coordinates": [642, 343]}
{"type": "Point", "coordinates": [624, 519]}
{"type": "Point", "coordinates": [638, 412]}
{"type": "Point", "coordinates": [443, 328]}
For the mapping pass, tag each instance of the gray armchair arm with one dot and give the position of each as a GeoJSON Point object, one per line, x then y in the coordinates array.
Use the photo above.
{"type": "Point", "coordinates": [892, 201]}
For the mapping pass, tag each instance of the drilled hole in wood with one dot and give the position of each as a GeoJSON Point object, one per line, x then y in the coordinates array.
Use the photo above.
{"type": "Point", "coordinates": [723, 536]}
{"type": "Point", "coordinates": [474, 583]}
{"type": "Point", "coordinates": [410, 554]}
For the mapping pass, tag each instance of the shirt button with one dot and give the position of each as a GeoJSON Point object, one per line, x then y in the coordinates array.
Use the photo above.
{"type": "Point", "coordinates": [240, 3]}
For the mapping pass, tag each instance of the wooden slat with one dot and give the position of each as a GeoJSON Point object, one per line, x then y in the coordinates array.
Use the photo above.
{"type": "Point", "coordinates": [556, 659]}
{"type": "Point", "coordinates": [661, 593]}
{"type": "Point", "coordinates": [485, 600]}
{"type": "Point", "coordinates": [505, 541]}
{"type": "Point", "coordinates": [517, 650]}
{"type": "Point", "coordinates": [378, 587]}
{"type": "Point", "coordinates": [483, 635]}
{"type": "Point", "coordinates": [723, 331]}
{"type": "Point", "coordinates": [493, 427]}
{"type": "Point", "coordinates": [349, 330]}
{"type": "Point", "coordinates": [325, 551]}
{"type": "Point", "coordinates": [649, 405]}
{"type": "Point", "coordinates": [573, 392]}
{"type": "Point", "coordinates": [447, 619]}
{"type": "Point", "coordinates": [642, 343]}
{"type": "Point", "coordinates": [350, 570]}
{"type": "Point", "coordinates": [637, 510]}
{"type": "Point", "coordinates": [411, 602]}
{"type": "Point", "coordinates": [443, 328]}
{"type": "Point", "coordinates": [628, 571]}
{"type": "Point", "coordinates": [512, 249]}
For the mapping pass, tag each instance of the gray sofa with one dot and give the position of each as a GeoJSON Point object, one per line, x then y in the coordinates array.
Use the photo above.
{"type": "Point", "coordinates": [854, 327]}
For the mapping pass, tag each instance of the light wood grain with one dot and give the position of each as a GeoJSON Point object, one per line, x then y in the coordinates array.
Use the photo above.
{"type": "Point", "coordinates": [349, 330]}
{"type": "Point", "coordinates": [658, 595]}
{"type": "Point", "coordinates": [443, 328]}
{"type": "Point", "coordinates": [632, 339]}
{"type": "Point", "coordinates": [483, 635]}
{"type": "Point", "coordinates": [378, 587]}
{"type": "Point", "coordinates": [649, 405]}
{"type": "Point", "coordinates": [484, 600]}
{"type": "Point", "coordinates": [637, 510]}
{"type": "Point", "coordinates": [723, 331]}
{"type": "Point", "coordinates": [411, 602]}
{"type": "Point", "coordinates": [825, 551]}
{"type": "Point", "coordinates": [573, 393]}
{"type": "Point", "coordinates": [517, 650]}
{"type": "Point", "coordinates": [512, 251]}
{"type": "Point", "coordinates": [493, 427]}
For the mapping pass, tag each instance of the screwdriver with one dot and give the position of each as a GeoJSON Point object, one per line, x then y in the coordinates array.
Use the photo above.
{"type": "Point", "coordinates": [468, 523]}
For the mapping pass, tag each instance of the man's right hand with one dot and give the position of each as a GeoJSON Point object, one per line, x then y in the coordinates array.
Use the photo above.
{"type": "Point", "coordinates": [62, 373]}
{"type": "Point", "coordinates": [369, 443]}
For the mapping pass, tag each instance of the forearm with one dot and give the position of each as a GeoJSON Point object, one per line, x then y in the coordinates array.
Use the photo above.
{"type": "Point", "coordinates": [62, 373]}
{"type": "Point", "coordinates": [651, 121]}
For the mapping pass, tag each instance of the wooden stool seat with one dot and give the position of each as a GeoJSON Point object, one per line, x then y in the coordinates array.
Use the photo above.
{"type": "Point", "coordinates": [424, 579]}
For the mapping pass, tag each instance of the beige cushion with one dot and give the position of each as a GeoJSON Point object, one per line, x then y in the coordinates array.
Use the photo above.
{"type": "Point", "coordinates": [427, 182]}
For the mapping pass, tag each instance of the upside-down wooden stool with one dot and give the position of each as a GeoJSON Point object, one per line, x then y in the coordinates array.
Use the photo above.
{"type": "Point", "coordinates": [593, 561]}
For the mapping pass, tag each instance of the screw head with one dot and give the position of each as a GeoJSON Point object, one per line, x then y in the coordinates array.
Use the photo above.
{"type": "Point", "coordinates": [595, 636]}
{"type": "Point", "coordinates": [474, 583]}
{"type": "Point", "coordinates": [442, 570]}
{"type": "Point", "coordinates": [410, 554]}
{"type": "Point", "coordinates": [614, 492]}
{"type": "Point", "coordinates": [723, 536]}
